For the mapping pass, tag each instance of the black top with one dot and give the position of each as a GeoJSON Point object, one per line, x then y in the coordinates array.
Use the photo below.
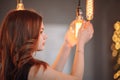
{"type": "Point", "coordinates": [23, 72]}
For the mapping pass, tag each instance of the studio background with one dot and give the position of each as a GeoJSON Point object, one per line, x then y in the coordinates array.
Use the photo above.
{"type": "Point", "coordinates": [58, 14]}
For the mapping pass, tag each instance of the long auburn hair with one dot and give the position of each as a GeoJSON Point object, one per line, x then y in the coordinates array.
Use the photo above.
{"type": "Point", "coordinates": [18, 39]}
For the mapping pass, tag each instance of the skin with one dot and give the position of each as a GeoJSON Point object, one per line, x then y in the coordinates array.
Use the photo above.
{"type": "Point", "coordinates": [54, 72]}
{"type": "Point", "coordinates": [42, 38]}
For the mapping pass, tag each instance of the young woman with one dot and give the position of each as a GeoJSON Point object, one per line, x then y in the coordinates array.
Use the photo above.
{"type": "Point", "coordinates": [22, 33]}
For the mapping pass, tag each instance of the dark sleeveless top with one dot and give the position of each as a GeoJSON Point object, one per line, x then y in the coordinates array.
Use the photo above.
{"type": "Point", "coordinates": [23, 72]}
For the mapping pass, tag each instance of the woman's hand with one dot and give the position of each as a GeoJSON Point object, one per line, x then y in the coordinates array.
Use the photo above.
{"type": "Point", "coordinates": [85, 33]}
{"type": "Point", "coordinates": [70, 38]}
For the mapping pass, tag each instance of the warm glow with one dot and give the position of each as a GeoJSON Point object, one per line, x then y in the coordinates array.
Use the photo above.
{"type": "Point", "coordinates": [115, 47]}
{"type": "Point", "coordinates": [20, 6]}
{"type": "Point", "coordinates": [76, 25]}
{"type": "Point", "coordinates": [89, 9]}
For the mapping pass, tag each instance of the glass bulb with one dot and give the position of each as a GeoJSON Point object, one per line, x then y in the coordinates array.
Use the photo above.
{"type": "Point", "coordinates": [76, 25]}
{"type": "Point", "coordinates": [89, 9]}
{"type": "Point", "coordinates": [20, 6]}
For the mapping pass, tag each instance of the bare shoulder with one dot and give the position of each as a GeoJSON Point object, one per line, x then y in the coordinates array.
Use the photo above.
{"type": "Point", "coordinates": [48, 74]}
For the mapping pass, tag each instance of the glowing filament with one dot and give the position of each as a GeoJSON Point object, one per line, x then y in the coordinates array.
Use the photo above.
{"type": "Point", "coordinates": [89, 9]}
{"type": "Point", "coordinates": [78, 25]}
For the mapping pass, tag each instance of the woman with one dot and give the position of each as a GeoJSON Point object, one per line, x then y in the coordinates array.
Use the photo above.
{"type": "Point", "coordinates": [22, 33]}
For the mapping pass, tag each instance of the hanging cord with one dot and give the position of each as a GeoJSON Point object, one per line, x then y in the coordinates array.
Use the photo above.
{"type": "Point", "coordinates": [19, 1]}
{"type": "Point", "coordinates": [78, 10]}
{"type": "Point", "coordinates": [79, 2]}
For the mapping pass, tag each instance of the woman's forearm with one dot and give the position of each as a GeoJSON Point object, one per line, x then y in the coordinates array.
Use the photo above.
{"type": "Point", "coordinates": [62, 57]}
{"type": "Point", "coordinates": [78, 64]}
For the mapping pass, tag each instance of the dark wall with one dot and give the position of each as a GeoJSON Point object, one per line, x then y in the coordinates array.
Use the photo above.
{"type": "Point", "coordinates": [107, 12]}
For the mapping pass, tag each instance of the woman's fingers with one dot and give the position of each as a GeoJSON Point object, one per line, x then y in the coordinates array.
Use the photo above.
{"type": "Point", "coordinates": [86, 31]}
{"type": "Point", "coordinates": [89, 28]}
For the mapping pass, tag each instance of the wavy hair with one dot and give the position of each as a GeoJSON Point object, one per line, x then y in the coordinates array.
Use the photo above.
{"type": "Point", "coordinates": [18, 39]}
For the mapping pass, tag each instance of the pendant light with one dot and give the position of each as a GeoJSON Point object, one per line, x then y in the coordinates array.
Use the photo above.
{"type": "Point", "coordinates": [76, 24]}
{"type": "Point", "coordinates": [20, 5]}
{"type": "Point", "coordinates": [89, 9]}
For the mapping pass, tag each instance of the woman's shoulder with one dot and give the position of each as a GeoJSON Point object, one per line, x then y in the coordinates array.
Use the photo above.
{"type": "Point", "coordinates": [35, 71]}
{"type": "Point", "coordinates": [37, 67]}
{"type": "Point", "coordinates": [39, 63]}
{"type": "Point", "coordinates": [48, 74]}
{"type": "Point", "coordinates": [36, 64]}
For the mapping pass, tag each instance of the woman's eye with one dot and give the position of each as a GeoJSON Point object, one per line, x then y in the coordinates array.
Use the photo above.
{"type": "Point", "coordinates": [41, 32]}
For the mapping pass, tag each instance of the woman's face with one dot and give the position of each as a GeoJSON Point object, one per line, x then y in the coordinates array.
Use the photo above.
{"type": "Point", "coordinates": [42, 38]}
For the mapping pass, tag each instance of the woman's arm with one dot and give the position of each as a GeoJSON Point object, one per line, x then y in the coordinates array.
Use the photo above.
{"type": "Point", "coordinates": [85, 34]}
{"type": "Point", "coordinates": [64, 52]}
{"type": "Point", "coordinates": [62, 57]}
